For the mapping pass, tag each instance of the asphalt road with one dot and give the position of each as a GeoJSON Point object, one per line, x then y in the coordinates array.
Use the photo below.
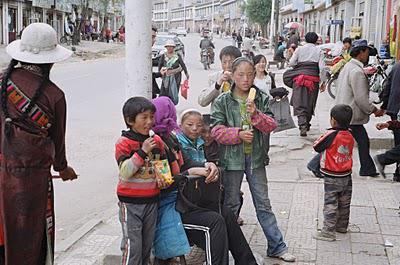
{"type": "Point", "coordinates": [95, 93]}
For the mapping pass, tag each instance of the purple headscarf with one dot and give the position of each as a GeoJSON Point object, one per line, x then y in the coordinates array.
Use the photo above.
{"type": "Point", "coordinates": [165, 116]}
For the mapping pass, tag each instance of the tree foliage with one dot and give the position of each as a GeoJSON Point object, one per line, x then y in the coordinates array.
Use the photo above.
{"type": "Point", "coordinates": [259, 11]}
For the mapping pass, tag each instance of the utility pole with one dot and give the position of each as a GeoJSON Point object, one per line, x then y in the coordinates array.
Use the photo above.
{"type": "Point", "coordinates": [272, 21]}
{"type": "Point", "coordinates": [184, 14]}
{"type": "Point", "coordinates": [138, 38]}
{"type": "Point", "coordinates": [212, 18]}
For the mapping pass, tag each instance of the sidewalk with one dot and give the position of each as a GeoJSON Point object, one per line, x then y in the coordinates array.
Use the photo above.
{"type": "Point", "coordinates": [86, 50]}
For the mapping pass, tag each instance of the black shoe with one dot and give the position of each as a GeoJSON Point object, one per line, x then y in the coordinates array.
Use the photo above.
{"type": "Point", "coordinates": [396, 178]}
{"type": "Point", "coordinates": [308, 127]}
{"type": "Point", "coordinates": [373, 175]}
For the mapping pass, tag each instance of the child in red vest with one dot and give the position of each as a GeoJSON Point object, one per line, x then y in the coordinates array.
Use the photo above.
{"type": "Point", "coordinates": [336, 161]}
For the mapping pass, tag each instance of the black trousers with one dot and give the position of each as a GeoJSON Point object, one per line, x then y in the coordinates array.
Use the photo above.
{"type": "Point", "coordinates": [367, 166]}
{"type": "Point", "coordinates": [224, 233]}
{"type": "Point", "coordinates": [396, 134]}
{"type": "Point", "coordinates": [390, 157]}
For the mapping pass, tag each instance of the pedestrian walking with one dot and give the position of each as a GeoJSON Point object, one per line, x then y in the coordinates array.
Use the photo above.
{"type": "Point", "coordinates": [336, 152]}
{"type": "Point", "coordinates": [238, 125]}
{"type": "Point", "coordinates": [155, 89]}
{"type": "Point", "coordinates": [33, 123]}
{"type": "Point", "coordinates": [353, 90]}
{"type": "Point", "coordinates": [308, 71]}
{"type": "Point", "coordinates": [173, 64]}
{"type": "Point", "coordinates": [391, 104]}
{"type": "Point", "coordinates": [239, 41]}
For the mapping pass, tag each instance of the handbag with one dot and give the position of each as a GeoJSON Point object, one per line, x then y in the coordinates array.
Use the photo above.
{"type": "Point", "coordinates": [194, 194]}
{"type": "Point", "coordinates": [185, 89]}
{"type": "Point", "coordinates": [281, 110]}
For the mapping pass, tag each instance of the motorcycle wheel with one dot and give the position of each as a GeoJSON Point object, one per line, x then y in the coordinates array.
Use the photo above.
{"type": "Point", "coordinates": [331, 87]}
{"type": "Point", "coordinates": [63, 40]}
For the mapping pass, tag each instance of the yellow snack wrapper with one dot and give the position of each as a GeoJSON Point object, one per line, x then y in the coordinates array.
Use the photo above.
{"type": "Point", "coordinates": [226, 86]}
{"type": "Point", "coordinates": [163, 170]}
{"type": "Point", "coordinates": [252, 94]}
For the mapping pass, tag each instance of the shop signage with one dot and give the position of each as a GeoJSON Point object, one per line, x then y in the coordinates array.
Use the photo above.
{"type": "Point", "coordinates": [43, 3]}
{"type": "Point", "coordinates": [337, 22]}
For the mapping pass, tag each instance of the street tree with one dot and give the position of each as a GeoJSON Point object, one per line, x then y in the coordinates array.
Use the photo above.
{"type": "Point", "coordinates": [83, 9]}
{"type": "Point", "coordinates": [259, 11]}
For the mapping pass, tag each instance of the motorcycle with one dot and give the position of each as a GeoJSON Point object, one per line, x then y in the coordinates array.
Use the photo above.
{"type": "Point", "coordinates": [205, 58]}
{"type": "Point", "coordinates": [248, 54]}
{"type": "Point", "coordinates": [377, 77]}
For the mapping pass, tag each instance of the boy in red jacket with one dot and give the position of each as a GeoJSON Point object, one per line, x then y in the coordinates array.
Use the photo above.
{"type": "Point", "coordinates": [336, 150]}
{"type": "Point", "coordinates": [138, 187]}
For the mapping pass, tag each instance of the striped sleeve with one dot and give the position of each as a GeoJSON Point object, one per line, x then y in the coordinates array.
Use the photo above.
{"type": "Point", "coordinates": [130, 158]}
{"type": "Point", "coordinates": [263, 122]}
{"type": "Point", "coordinates": [226, 135]}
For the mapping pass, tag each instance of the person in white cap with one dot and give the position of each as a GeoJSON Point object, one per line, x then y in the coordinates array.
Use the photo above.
{"type": "Point", "coordinates": [173, 64]}
{"type": "Point", "coordinates": [32, 132]}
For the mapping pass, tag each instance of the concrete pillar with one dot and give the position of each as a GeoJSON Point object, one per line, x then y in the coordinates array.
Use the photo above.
{"type": "Point", "coordinates": [5, 22]}
{"type": "Point", "coordinates": [138, 38]}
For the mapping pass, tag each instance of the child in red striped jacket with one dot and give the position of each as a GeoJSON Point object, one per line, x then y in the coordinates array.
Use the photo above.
{"type": "Point", "coordinates": [138, 187]}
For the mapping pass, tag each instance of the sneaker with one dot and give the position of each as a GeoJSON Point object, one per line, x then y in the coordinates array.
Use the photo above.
{"type": "Point", "coordinates": [196, 256]}
{"type": "Point", "coordinates": [285, 257]}
{"type": "Point", "coordinates": [396, 178]}
{"type": "Point", "coordinates": [379, 166]}
{"type": "Point", "coordinates": [320, 235]}
{"type": "Point", "coordinates": [342, 230]}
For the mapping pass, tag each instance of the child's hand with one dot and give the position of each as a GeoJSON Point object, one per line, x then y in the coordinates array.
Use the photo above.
{"type": "Point", "coordinates": [251, 107]}
{"type": "Point", "coordinates": [381, 126]}
{"type": "Point", "coordinates": [161, 184]}
{"type": "Point", "coordinates": [163, 70]}
{"type": "Point", "coordinates": [68, 174]}
{"type": "Point", "coordinates": [149, 145]}
{"type": "Point", "coordinates": [246, 136]}
{"type": "Point", "coordinates": [225, 77]}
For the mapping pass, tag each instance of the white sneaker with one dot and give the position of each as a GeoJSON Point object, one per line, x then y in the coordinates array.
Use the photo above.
{"type": "Point", "coordinates": [287, 257]}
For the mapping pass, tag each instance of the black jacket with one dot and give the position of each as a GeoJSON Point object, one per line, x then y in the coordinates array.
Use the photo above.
{"type": "Point", "coordinates": [391, 92]}
{"type": "Point", "coordinates": [156, 89]}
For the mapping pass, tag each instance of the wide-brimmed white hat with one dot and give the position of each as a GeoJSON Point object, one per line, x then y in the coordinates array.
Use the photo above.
{"type": "Point", "coordinates": [170, 43]}
{"type": "Point", "coordinates": [38, 45]}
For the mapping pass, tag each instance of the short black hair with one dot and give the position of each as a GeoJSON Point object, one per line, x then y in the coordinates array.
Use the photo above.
{"type": "Point", "coordinates": [342, 114]}
{"type": "Point", "coordinates": [347, 40]}
{"type": "Point", "coordinates": [153, 28]}
{"type": "Point", "coordinates": [230, 51]}
{"type": "Point", "coordinates": [311, 37]}
{"type": "Point", "coordinates": [135, 106]}
{"type": "Point", "coordinates": [355, 51]}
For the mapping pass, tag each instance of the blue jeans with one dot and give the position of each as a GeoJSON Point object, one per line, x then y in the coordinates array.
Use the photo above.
{"type": "Point", "coordinates": [257, 179]}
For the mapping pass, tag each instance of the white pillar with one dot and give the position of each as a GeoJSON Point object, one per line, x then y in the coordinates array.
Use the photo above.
{"type": "Point", "coordinates": [5, 22]}
{"type": "Point", "coordinates": [138, 38]}
{"type": "Point", "coordinates": [272, 22]}
{"type": "Point", "coordinates": [19, 17]}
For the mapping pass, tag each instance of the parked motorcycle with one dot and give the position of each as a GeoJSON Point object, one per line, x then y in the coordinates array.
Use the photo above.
{"type": "Point", "coordinates": [376, 74]}
{"type": "Point", "coordinates": [205, 58]}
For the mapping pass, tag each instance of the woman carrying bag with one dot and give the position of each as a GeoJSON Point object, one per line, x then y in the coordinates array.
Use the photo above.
{"type": "Point", "coordinates": [174, 64]}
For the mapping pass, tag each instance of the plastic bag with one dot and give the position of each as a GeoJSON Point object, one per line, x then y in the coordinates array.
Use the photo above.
{"type": "Point", "coordinates": [281, 111]}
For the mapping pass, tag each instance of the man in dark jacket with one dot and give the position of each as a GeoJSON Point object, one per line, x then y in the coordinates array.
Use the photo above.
{"type": "Point", "coordinates": [391, 103]}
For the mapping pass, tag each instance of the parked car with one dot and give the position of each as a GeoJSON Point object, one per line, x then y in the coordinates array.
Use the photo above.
{"type": "Point", "coordinates": [172, 31]}
{"type": "Point", "coordinates": [159, 49]}
{"type": "Point", "coordinates": [181, 32]}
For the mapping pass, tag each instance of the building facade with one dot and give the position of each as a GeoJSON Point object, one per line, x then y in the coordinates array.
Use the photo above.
{"type": "Point", "coordinates": [337, 19]}
{"type": "Point", "coordinates": [194, 15]}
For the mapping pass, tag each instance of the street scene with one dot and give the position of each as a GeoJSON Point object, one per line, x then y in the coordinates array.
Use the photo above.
{"type": "Point", "coordinates": [297, 48]}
